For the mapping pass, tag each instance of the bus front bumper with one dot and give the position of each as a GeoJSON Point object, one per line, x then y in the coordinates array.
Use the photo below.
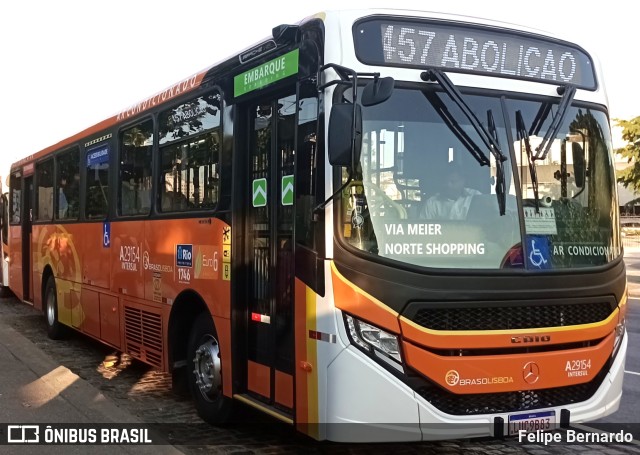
{"type": "Point", "coordinates": [366, 403]}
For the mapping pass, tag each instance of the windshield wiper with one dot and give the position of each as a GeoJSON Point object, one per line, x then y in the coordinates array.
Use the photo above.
{"type": "Point", "coordinates": [490, 140]}
{"type": "Point", "coordinates": [500, 177]}
{"type": "Point", "coordinates": [524, 136]}
{"type": "Point", "coordinates": [539, 119]}
{"type": "Point", "coordinates": [542, 150]}
{"type": "Point", "coordinates": [567, 92]}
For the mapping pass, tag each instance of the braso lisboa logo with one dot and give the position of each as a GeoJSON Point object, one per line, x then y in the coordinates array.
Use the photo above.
{"type": "Point", "coordinates": [452, 378]}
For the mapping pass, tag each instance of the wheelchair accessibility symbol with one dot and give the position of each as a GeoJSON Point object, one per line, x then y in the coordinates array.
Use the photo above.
{"type": "Point", "coordinates": [536, 257]}
{"type": "Point", "coordinates": [106, 235]}
{"type": "Point", "coordinates": [539, 252]}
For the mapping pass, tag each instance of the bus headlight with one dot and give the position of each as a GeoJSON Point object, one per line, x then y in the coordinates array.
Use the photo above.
{"type": "Point", "coordinates": [373, 339]}
{"type": "Point", "coordinates": [619, 335]}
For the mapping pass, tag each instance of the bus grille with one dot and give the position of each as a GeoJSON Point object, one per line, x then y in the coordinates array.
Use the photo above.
{"type": "Point", "coordinates": [520, 401]}
{"type": "Point", "coordinates": [512, 317]}
{"type": "Point", "coordinates": [143, 335]}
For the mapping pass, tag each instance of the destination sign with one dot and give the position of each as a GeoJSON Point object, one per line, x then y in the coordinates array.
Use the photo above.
{"type": "Point", "coordinates": [98, 155]}
{"type": "Point", "coordinates": [473, 49]}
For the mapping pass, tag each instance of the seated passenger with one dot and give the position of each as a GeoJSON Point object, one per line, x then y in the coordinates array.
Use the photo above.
{"type": "Point", "coordinates": [452, 201]}
{"type": "Point", "coordinates": [62, 199]}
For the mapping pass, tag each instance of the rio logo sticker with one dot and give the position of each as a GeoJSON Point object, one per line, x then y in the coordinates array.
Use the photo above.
{"type": "Point", "coordinates": [184, 262]}
{"type": "Point", "coordinates": [184, 255]}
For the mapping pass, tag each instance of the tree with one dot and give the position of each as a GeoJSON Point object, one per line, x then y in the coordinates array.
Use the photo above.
{"type": "Point", "coordinates": [630, 176]}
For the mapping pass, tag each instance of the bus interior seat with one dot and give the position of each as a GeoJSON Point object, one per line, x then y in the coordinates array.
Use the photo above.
{"type": "Point", "coordinates": [173, 202]}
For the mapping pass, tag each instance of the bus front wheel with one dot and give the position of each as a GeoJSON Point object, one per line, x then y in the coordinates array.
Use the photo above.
{"type": "Point", "coordinates": [205, 372]}
{"type": "Point", "coordinates": [55, 330]}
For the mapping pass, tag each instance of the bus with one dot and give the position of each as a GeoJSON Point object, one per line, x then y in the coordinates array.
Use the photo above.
{"type": "Point", "coordinates": [373, 225]}
{"type": "Point", "coordinates": [4, 241]}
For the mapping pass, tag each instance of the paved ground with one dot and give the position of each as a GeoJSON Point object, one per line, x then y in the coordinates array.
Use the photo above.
{"type": "Point", "coordinates": [79, 380]}
{"type": "Point", "coordinates": [632, 257]}
{"type": "Point", "coordinates": [35, 388]}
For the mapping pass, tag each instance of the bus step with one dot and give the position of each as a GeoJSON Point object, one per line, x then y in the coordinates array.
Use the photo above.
{"type": "Point", "coordinates": [272, 411]}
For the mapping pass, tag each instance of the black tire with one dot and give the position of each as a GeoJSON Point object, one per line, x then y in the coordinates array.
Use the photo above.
{"type": "Point", "coordinates": [55, 330]}
{"type": "Point", "coordinates": [204, 372]}
{"type": "Point", "coordinates": [5, 292]}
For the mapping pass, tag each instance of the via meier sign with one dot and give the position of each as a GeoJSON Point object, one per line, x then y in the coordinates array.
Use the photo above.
{"type": "Point", "coordinates": [265, 74]}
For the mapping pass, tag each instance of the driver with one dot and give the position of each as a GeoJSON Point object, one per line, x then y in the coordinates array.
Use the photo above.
{"type": "Point", "coordinates": [453, 200]}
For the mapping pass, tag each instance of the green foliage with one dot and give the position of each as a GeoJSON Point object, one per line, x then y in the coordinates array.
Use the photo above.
{"type": "Point", "coordinates": [630, 176]}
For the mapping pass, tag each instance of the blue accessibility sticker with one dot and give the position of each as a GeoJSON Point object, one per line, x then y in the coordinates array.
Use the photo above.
{"type": "Point", "coordinates": [106, 234]}
{"type": "Point", "coordinates": [538, 252]}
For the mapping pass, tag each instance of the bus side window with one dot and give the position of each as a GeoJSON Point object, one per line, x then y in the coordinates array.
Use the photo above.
{"type": "Point", "coordinates": [68, 191]}
{"type": "Point", "coordinates": [44, 190]}
{"type": "Point", "coordinates": [190, 142]}
{"type": "Point", "coordinates": [15, 188]}
{"type": "Point", "coordinates": [97, 184]}
{"type": "Point", "coordinates": [5, 220]}
{"type": "Point", "coordinates": [135, 180]}
{"type": "Point", "coordinates": [190, 174]}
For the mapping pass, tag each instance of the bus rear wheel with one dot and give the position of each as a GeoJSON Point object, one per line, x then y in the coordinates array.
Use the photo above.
{"type": "Point", "coordinates": [55, 330]}
{"type": "Point", "coordinates": [205, 372]}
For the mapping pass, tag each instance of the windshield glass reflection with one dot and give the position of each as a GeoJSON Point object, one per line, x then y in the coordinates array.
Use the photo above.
{"type": "Point", "coordinates": [421, 197]}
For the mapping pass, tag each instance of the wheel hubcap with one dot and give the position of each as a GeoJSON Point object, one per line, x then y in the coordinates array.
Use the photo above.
{"type": "Point", "coordinates": [207, 369]}
{"type": "Point", "coordinates": [51, 309]}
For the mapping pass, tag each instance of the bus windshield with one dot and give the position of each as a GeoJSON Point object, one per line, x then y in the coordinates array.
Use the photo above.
{"type": "Point", "coordinates": [421, 196]}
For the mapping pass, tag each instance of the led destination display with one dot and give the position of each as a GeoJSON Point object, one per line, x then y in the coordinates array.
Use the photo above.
{"type": "Point", "coordinates": [472, 49]}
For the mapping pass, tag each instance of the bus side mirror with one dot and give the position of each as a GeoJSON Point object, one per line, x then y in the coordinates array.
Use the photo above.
{"type": "Point", "coordinates": [345, 135]}
{"type": "Point", "coordinates": [377, 91]}
{"type": "Point", "coordinates": [578, 164]}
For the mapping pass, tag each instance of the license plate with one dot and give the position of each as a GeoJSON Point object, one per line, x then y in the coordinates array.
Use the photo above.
{"type": "Point", "coordinates": [537, 421]}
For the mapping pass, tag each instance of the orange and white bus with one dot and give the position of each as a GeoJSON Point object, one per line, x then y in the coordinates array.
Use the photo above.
{"type": "Point", "coordinates": [374, 225]}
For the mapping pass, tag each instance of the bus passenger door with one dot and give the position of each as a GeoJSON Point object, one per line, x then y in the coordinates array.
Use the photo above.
{"type": "Point", "coordinates": [4, 234]}
{"type": "Point", "coordinates": [269, 249]}
{"type": "Point", "coordinates": [27, 259]}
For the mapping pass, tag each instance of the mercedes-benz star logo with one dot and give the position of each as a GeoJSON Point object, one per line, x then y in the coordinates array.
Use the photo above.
{"type": "Point", "coordinates": [531, 372]}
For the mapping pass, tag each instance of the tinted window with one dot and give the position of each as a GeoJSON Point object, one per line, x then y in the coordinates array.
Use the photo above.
{"type": "Point", "coordinates": [68, 178]}
{"type": "Point", "coordinates": [97, 163]}
{"type": "Point", "coordinates": [190, 174]}
{"type": "Point", "coordinates": [44, 191]}
{"type": "Point", "coordinates": [190, 118]}
{"type": "Point", "coordinates": [136, 145]}
{"type": "Point", "coordinates": [190, 166]}
{"type": "Point", "coordinates": [16, 198]}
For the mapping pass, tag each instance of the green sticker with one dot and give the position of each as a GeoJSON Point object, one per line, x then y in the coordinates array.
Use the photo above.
{"type": "Point", "coordinates": [259, 192]}
{"type": "Point", "coordinates": [287, 190]}
{"type": "Point", "coordinates": [267, 73]}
